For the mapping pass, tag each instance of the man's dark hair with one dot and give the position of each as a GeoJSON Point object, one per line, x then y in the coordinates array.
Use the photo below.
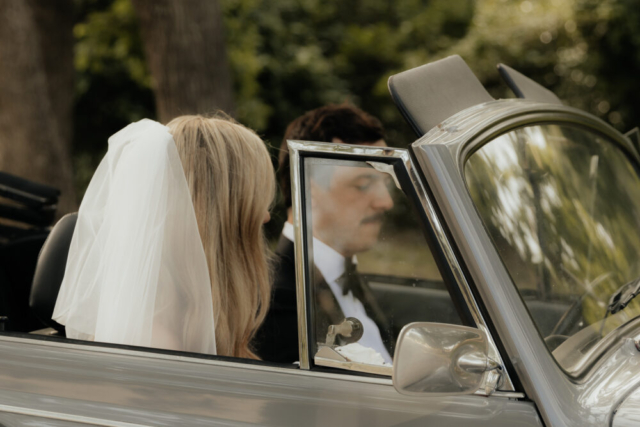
{"type": "Point", "coordinates": [344, 121]}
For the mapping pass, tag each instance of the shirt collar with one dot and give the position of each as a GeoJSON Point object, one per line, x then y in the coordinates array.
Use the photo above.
{"type": "Point", "coordinates": [287, 231]}
{"type": "Point", "coordinates": [328, 260]}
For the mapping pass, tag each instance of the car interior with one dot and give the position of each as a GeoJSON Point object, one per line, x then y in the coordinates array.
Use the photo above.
{"type": "Point", "coordinates": [27, 210]}
{"type": "Point", "coordinates": [33, 260]}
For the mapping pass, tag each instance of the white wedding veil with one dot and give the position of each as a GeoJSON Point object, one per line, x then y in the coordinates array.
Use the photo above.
{"type": "Point", "coordinates": [137, 272]}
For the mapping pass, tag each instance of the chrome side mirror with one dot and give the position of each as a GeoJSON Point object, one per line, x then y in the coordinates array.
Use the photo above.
{"type": "Point", "coordinates": [440, 359]}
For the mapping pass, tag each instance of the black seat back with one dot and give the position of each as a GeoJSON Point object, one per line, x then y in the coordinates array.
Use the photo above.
{"type": "Point", "coordinates": [18, 260]}
{"type": "Point", "coordinates": [50, 270]}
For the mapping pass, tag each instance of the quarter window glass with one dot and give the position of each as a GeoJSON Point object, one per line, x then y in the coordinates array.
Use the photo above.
{"type": "Point", "coordinates": [368, 260]}
{"type": "Point", "coordinates": [562, 205]}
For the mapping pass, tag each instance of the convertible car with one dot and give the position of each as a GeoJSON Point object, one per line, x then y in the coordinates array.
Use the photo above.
{"type": "Point", "coordinates": [507, 264]}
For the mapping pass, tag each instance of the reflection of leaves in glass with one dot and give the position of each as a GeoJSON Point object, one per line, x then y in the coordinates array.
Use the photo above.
{"type": "Point", "coordinates": [561, 205]}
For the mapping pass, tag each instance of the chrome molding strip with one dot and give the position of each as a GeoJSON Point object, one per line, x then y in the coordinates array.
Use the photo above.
{"type": "Point", "coordinates": [346, 149]}
{"type": "Point", "coordinates": [463, 132]}
{"type": "Point", "coordinates": [66, 417]}
{"type": "Point", "coordinates": [21, 193]}
{"type": "Point", "coordinates": [297, 147]}
{"type": "Point", "coordinates": [502, 394]}
{"type": "Point", "coordinates": [296, 205]}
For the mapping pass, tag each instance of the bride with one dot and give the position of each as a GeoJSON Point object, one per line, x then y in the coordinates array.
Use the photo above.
{"type": "Point", "coordinates": [168, 250]}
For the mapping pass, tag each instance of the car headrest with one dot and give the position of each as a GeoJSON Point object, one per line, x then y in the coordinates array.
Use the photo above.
{"type": "Point", "coordinates": [50, 270]}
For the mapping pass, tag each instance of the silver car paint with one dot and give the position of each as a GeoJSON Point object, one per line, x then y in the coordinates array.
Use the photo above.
{"type": "Point", "coordinates": [628, 413]}
{"type": "Point", "coordinates": [561, 400]}
{"type": "Point", "coordinates": [61, 384]}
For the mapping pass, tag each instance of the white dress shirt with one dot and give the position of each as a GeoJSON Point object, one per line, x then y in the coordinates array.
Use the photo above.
{"type": "Point", "coordinates": [331, 265]}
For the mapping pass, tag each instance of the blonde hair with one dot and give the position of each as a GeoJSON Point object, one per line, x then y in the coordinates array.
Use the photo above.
{"type": "Point", "coordinates": [232, 185]}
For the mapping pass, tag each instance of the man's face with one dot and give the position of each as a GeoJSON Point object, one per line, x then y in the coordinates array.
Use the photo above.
{"type": "Point", "coordinates": [348, 209]}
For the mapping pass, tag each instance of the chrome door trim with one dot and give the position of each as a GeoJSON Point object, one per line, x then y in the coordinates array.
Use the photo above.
{"type": "Point", "coordinates": [65, 417]}
{"type": "Point", "coordinates": [299, 250]}
{"type": "Point", "coordinates": [526, 118]}
{"type": "Point", "coordinates": [345, 150]}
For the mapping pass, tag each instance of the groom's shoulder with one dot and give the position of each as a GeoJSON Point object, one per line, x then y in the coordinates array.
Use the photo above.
{"type": "Point", "coordinates": [284, 265]}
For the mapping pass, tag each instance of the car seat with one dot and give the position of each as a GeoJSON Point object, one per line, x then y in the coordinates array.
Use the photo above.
{"type": "Point", "coordinates": [50, 271]}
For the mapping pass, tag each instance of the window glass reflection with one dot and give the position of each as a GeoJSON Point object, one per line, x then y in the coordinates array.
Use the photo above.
{"type": "Point", "coordinates": [369, 260]}
{"type": "Point", "coordinates": [562, 206]}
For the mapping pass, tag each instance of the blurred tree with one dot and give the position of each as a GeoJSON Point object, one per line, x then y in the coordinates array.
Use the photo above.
{"type": "Point", "coordinates": [36, 93]}
{"type": "Point", "coordinates": [186, 53]}
{"type": "Point", "coordinates": [586, 51]}
{"type": "Point", "coordinates": [286, 57]}
{"type": "Point", "coordinates": [290, 56]}
{"type": "Point", "coordinates": [113, 85]}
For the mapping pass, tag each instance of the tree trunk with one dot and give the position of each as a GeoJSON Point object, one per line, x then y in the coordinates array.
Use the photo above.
{"type": "Point", "coordinates": [185, 49]}
{"type": "Point", "coordinates": [36, 93]}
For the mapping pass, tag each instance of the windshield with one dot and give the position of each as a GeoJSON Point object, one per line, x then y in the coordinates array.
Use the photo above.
{"type": "Point", "coordinates": [562, 205]}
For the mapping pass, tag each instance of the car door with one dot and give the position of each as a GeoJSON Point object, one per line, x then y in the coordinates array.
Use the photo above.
{"type": "Point", "coordinates": [51, 382]}
{"type": "Point", "coordinates": [48, 380]}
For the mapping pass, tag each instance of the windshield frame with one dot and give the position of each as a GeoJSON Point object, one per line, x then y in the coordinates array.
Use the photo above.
{"type": "Point", "coordinates": [450, 144]}
{"type": "Point", "coordinates": [545, 118]}
{"type": "Point", "coordinates": [439, 157]}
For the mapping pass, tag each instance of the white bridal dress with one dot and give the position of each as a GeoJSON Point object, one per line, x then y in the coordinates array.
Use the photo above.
{"type": "Point", "coordinates": [136, 272]}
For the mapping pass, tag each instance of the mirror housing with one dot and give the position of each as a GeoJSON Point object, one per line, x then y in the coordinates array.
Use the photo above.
{"type": "Point", "coordinates": [438, 359]}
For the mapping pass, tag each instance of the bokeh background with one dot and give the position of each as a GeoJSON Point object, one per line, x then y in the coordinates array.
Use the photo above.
{"type": "Point", "coordinates": [73, 72]}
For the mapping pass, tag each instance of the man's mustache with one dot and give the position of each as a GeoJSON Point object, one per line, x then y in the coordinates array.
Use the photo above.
{"type": "Point", "coordinates": [379, 217]}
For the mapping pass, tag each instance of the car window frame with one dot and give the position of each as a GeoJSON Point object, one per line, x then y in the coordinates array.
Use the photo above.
{"type": "Point", "coordinates": [435, 234]}
{"type": "Point", "coordinates": [441, 155]}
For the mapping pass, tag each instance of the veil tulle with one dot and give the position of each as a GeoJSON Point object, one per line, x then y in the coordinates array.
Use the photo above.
{"type": "Point", "coordinates": [136, 272]}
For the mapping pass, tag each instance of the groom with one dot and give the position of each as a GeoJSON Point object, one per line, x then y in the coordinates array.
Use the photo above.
{"type": "Point", "coordinates": [346, 222]}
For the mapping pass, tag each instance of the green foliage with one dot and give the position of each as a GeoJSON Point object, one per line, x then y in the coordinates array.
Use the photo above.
{"type": "Point", "coordinates": [113, 86]}
{"type": "Point", "coordinates": [289, 56]}
{"type": "Point", "coordinates": [292, 56]}
{"type": "Point", "coordinates": [585, 51]}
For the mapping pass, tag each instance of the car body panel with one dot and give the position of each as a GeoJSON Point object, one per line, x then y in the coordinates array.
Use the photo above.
{"type": "Point", "coordinates": [628, 412]}
{"type": "Point", "coordinates": [81, 385]}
